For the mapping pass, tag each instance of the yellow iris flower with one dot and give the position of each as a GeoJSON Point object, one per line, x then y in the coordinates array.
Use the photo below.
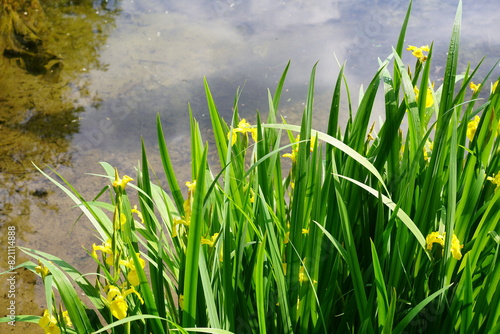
{"type": "Point", "coordinates": [419, 52]}
{"type": "Point", "coordinates": [472, 127]}
{"type": "Point", "coordinates": [243, 127]}
{"type": "Point", "coordinates": [132, 276]}
{"type": "Point", "coordinates": [494, 87]}
{"type": "Point", "coordinates": [495, 180]}
{"type": "Point", "coordinates": [439, 238]}
{"type": "Point", "coordinates": [295, 148]}
{"type": "Point", "coordinates": [428, 149]}
{"type": "Point", "coordinates": [303, 276]}
{"type": "Point", "coordinates": [186, 220]}
{"type": "Point", "coordinates": [107, 251]}
{"type": "Point", "coordinates": [429, 99]}
{"type": "Point", "coordinates": [292, 156]}
{"type": "Point", "coordinates": [121, 183]}
{"type": "Point", "coordinates": [116, 301]}
{"type": "Point", "coordinates": [179, 222]}
{"type": "Point", "coordinates": [49, 323]}
{"type": "Point", "coordinates": [473, 87]}
{"type": "Point", "coordinates": [67, 319]}
{"type": "Point", "coordinates": [211, 241]}
{"type": "Point", "coordinates": [42, 270]}
{"type": "Point", "coordinates": [138, 213]}
{"type": "Point", "coordinates": [191, 186]}
{"type": "Point", "coordinates": [369, 136]}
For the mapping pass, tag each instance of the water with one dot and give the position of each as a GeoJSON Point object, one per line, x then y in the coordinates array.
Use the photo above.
{"type": "Point", "coordinates": [122, 62]}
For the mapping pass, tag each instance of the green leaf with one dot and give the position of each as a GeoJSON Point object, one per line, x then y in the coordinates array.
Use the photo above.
{"type": "Point", "coordinates": [382, 297]}
{"type": "Point", "coordinates": [467, 299]}
{"type": "Point", "coordinates": [218, 125]}
{"type": "Point", "coordinates": [416, 310]}
{"type": "Point", "coordinates": [168, 167]}
{"type": "Point", "coordinates": [391, 205]}
{"type": "Point", "coordinates": [74, 306]}
{"type": "Point", "coordinates": [193, 247]}
{"type": "Point", "coordinates": [128, 320]}
{"type": "Point", "coordinates": [337, 144]}
{"type": "Point", "coordinates": [258, 277]}
{"type": "Point", "coordinates": [147, 294]}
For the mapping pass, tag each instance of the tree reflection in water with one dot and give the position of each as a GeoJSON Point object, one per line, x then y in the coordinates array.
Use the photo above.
{"type": "Point", "coordinates": [46, 50]}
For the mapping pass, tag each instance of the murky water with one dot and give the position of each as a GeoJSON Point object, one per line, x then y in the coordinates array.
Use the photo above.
{"type": "Point", "coordinates": [119, 63]}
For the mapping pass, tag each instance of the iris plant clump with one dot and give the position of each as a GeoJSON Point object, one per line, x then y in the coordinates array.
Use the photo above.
{"type": "Point", "coordinates": [365, 229]}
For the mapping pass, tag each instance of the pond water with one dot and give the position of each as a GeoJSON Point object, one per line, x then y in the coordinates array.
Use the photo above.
{"type": "Point", "coordinates": [119, 63]}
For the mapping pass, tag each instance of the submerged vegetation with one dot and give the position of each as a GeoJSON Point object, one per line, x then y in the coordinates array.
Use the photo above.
{"type": "Point", "coordinates": [348, 230]}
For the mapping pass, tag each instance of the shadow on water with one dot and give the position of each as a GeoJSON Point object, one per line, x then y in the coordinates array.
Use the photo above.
{"type": "Point", "coordinates": [105, 69]}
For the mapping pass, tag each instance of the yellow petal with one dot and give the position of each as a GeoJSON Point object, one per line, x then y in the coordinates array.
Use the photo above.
{"type": "Point", "coordinates": [429, 99]}
{"type": "Point", "coordinates": [253, 132]}
{"type": "Point", "coordinates": [418, 53]}
{"type": "Point", "coordinates": [313, 142]}
{"type": "Point", "coordinates": [49, 323]}
{"type": "Point", "coordinates": [495, 179]}
{"type": "Point", "coordinates": [211, 241]}
{"type": "Point", "coordinates": [41, 269]}
{"type": "Point", "coordinates": [232, 134]}
{"type": "Point", "coordinates": [302, 275]}
{"type": "Point", "coordinates": [67, 319]}
{"type": "Point", "coordinates": [207, 242]}
{"type": "Point", "coordinates": [121, 183]}
{"type": "Point", "coordinates": [133, 291]}
{"type": "Point", "coordinates": [94, 253]}
{"type": "Point", "coordinates": [494, 87]}
{"type": "Point", "coordinates": [187, 205]}
{"type": "Point", "coordinates": [456, 247]}
{"type": "Point", "coordinates": [109, 260]}
{"type": "Point", "coordinates": [439, 238]}
{"type": "Point", "coordinates": [142, 262]}
{"type": "Point", "coordinates": [123, 219]}
{"type": "Point", "coordinates": [133, 278]}
{"type": "Point", "coordinates": [243, 124]}
{"type": "Point", "coordinates": [416, 91]}
{"type": "Point", "coordinates": [191, 186]}
{"type": "Point", "coordinates": [289, 155]}
{"type": "Point", "coordinates": [474, 87]}
{"type": "Point", "coordinates": [472, 127]}
{"type": "Point", "coordinates": [138, 213]}
{"type": "Point", "coordinates": [456, 253]}
{"type": "Point", "coordinates": [106, 249]}
{"type": "Point", "coordinates": [119, 307]}
{"type": "Point", "coordinates": [434, 237]}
